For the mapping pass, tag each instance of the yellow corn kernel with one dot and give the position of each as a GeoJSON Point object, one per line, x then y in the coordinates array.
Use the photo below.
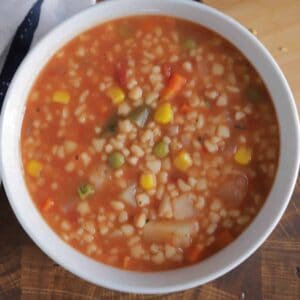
{"type": "Point", "coordinates": [62, 97]}
{"type": "Point", "coordinates": [116, 94]}
{"type": "Point", "coordinates": [34, 168]}
{"type": "Point", "coordinates": [147, 181]}
{"type": "Point", "coordinates": [243, 155]}
{"type": "Point", "coordinates": [164, 113]}
{"type": "Point", "coordinates": [183, 161]}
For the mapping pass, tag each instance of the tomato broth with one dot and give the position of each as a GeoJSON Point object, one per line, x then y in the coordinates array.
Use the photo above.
{"type": "Point", "coordinates": [149, 143]}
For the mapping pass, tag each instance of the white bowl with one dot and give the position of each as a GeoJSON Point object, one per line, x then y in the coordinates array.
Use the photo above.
{"type": "Point", "coordinates": [154, 282]}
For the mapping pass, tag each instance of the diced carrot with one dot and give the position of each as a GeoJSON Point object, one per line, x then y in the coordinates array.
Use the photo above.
{"type": "Point", "coordinates": [223, 239]}
{"type": "Point", "coordinates": [121, 74]}
{"type": "Point", "coordinates": [127, 262]}
{"type": "Point", "coordinates": [185, 108]}
{"type": "Point", "coordinates": [174, 86]}
{"type": "Point", "coordinates": [104, 109]}
{"type": "Point", "coordinates": [48, 204]}
{"type": "Point", "coordinates": [194, 254]}
{"type": "Point", "coordinates": [147, 25]}
{"type": "Point", "coordinates": [95, 79]}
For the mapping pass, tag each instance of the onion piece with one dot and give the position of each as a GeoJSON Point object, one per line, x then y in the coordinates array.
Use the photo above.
{"type": "Point", "coordinates": [128, 195]}
{"type": "Point", "coordinates": [183, 206]}
{"type": "Point", "coordinates": [175, 232]}
{"type": "Point", "coordinates": [99, 176]}
{"type": "Point", "coordinates": [173, 130]}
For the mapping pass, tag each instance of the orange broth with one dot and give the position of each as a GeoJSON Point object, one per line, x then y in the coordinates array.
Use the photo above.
{"type": "Point", "coordinates": [149, 143]}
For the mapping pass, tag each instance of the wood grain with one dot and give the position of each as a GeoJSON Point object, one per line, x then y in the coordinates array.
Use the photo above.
{"type": "Point", "coordinates": [272, 273]}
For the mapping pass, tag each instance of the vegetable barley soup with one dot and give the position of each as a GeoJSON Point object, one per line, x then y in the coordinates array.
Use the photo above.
{"type": "Point", "coordinates": [149, 143]}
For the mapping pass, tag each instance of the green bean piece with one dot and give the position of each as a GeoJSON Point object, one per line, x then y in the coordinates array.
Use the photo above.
{"type": "Point", "coordinates": [116, 160]}
{"type": "Point", "coordinates": [85, 190]}
{"type": "Point", "coordinates": [111, 126]}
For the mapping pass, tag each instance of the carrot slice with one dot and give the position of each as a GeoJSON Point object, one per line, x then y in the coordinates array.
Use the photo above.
{"type": "Point", "coordinates": [48, 204]}
{"type": "Point", "coordinates": [103, 109]}
{"type": "Point", "coordinates": [174, 86]}
{"type": "Point", "coordinates": [185, 108]}
{"type": "Point", "coordinates": [127, 262]}
{"type": "Point", "coordinates": [148, 25]}
{"type": "Point", "coordinates": [224, 238]}
{"type": "Point", "coordinates": [195, 254]}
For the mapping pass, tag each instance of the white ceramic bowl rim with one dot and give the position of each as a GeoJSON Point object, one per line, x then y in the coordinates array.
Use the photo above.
{"type": "Point", "coordinates": [168, 281]}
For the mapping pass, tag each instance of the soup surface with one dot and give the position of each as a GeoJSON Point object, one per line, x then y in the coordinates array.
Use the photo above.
{"type": "Point", "coordinates": [149, 143]}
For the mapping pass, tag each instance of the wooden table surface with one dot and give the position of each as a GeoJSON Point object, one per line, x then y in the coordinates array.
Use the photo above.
{"type": "Point", "coordinates": [272, 273]}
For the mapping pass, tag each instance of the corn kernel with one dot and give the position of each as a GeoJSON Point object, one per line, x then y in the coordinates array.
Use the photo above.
{"type": "Point", "coordinates": [62, 97]}
{"type": "Point", "coordinates": [34, 168]}
{"type": "Point", "coordinates": [116, 94]}
{"type": "Point", "coordinates": [183, 161]}
{"type": "Point", "coordinates": [147, 181]}
{"type": "Point", "coordinates": [243, 156]}
{"type": "Point", "coordinates": [164, 113]}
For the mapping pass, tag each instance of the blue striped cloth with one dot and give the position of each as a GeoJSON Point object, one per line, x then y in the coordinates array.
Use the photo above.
{"type": "Point", "coordinates": [19, 47]}
{"type": "Point", "coordinates": [53, 12]}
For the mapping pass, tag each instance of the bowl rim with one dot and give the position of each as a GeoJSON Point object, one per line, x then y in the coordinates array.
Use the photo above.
{"type": "Point", "coordinates": [161, 282]}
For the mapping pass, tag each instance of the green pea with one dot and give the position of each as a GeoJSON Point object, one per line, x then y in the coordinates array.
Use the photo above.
{"type": "Point", "coordinates": [125, 31]}
{"type": "Point", "coordinates": [161, 149]}
{"type": "Point", "coordinates": [85, 190]}
{"type": "Point", "coordinates": [189, 44]}
{"type": "Point", "coordinates": [254, 94]}
{"type": "Point", "coordinates": [116, 160]}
